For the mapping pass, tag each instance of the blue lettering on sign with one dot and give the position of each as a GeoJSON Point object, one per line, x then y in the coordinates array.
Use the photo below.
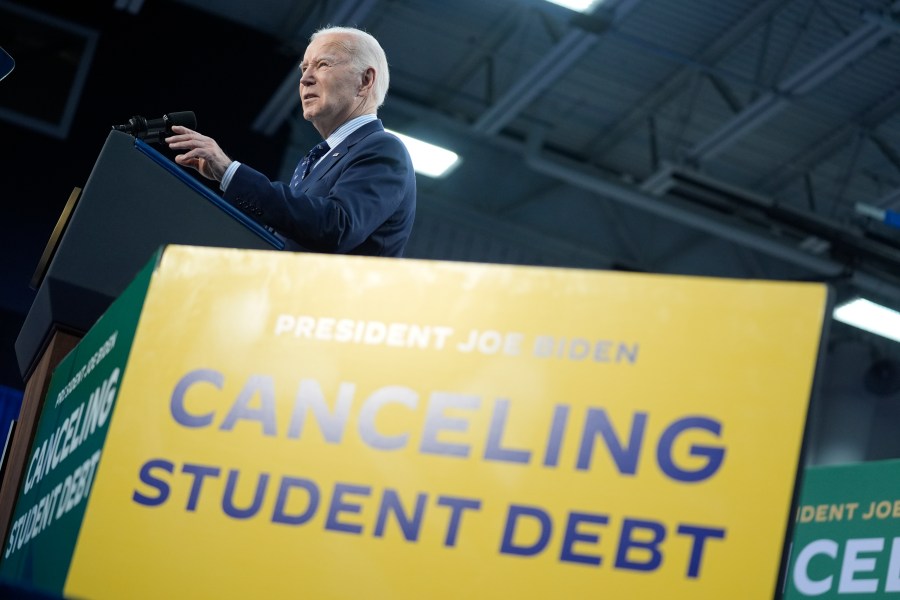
{"type": "Point", "coordinates": [493, 450]}
{"type": "Point", "coordinates": [714, 455]}
{"type": "Point", "coordinates": [641, 537]}
{"type": "Point", "coordinates": [200, 472]}
{"type": "Point", "coordinates": [574, 535]}
{"type": "Point", "coordinates": [331, 423]}
{"type": "Point", "coordinates": [436, 421]}
{"type": "Point", "coordinates": [179, 413]}
{"type": "Point", "coordinates": [626, 457]}
{"type": "Point", "coordinates": [287, 483]}
{"type": "Point", "coordinates": [457, 506]}
{"type": "Point", "coordinates": [338, 506]}
{"type": "Point", "coordinates": [516, 512]}
{"type": "Point", "coordinates": [445, 429]}
{"type": "Point", "coordinates": [651, 546]}
{"type": "Point", "coordinates": [298, 499]}
{"type": "Point", "coordinates": [528, 531]}
{"type": "Point", "coordinates": [409, 525]}
{"type": "Point", "coordinates": [700, 535]}
{"type": "Point", "coordinates": [394, 394]}
{"type": "Point", "coordinates": [243, 410]}
{"type": "Point", "coordinates": [146, 476]}
{"type": "Point", "coordinates": [557, 432]}
{"type": "Point", "coordinates": [228, 498]}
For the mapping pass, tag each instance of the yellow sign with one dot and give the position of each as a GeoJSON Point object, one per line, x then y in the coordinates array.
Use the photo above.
{"type": "Point", "coordinates": [294, 425]}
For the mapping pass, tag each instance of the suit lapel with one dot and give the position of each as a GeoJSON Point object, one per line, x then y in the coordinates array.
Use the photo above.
{"type": "Point", "coordinates": [336, 155]}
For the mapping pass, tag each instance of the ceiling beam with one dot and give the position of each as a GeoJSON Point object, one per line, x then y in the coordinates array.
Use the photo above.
{"type": "Point", "coordinates": [497, 34]}
{"type": "Point", "coordinates": [574, 44]}
{"type": "Point", "coordinates": [804, 80]}
{"type": "Point", "coordinates": [829, 145]}
{"type": "Point", "coordinates": [674, 85]}
{"type": "Point", "coordinates": [567, 52]}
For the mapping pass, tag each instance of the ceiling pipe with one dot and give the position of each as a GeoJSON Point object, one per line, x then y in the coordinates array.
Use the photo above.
{"type": "Point", "coordinates": [707, 221]}
{"type": "Point", "coordinates": [694, 217]}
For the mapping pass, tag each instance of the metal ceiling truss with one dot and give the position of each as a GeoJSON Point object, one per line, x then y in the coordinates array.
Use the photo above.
{"type": "Point", "coordinates": [664, 93]}
{"type": "Point", "coordinates": [567, 52]}
{"type": "Point", "coordinates": [802, 81]}
{"type": "Point", "coordinates": [497, 35]}
{"type": "Point", "coordinates": [829, 145]}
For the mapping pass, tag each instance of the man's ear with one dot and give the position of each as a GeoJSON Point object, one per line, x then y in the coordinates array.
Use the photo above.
{"type": "Point", "coordinates": [368, 82]}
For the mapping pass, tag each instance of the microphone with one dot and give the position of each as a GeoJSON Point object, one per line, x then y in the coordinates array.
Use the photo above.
{"type": "Point", "coordinates": [154, 130]}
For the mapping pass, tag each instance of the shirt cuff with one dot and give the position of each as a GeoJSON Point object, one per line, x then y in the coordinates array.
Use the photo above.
{"type": "Point", "coordinates": [229, 173]}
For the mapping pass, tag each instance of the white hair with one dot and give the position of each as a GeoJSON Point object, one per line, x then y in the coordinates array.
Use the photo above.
{"type": "Point", "coordinates": [365, 52]}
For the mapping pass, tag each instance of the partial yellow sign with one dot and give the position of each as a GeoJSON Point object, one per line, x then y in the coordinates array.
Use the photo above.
{"type": "Point", "coordinates": [340, 427]}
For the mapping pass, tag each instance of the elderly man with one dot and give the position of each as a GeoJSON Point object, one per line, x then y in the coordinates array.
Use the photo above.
{"type": "Point", "coordinates": [355, 192]}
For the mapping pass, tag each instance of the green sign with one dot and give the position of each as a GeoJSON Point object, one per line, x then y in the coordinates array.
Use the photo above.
{"type": "Point", "coordinates": [68, 446]}
{"type": "Point", "coordinates": [847, 533]}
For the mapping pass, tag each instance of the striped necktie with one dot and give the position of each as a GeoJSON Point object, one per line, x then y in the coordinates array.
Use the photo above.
{"type": "Point", "coordinates": [308, 162]}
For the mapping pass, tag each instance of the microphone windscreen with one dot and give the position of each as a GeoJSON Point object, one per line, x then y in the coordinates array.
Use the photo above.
{"type": "Point", "coordinates": [185, 118]}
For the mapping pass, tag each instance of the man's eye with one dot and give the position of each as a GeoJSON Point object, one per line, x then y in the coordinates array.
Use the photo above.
{"type": "Point", "coordinates": [318, 65]}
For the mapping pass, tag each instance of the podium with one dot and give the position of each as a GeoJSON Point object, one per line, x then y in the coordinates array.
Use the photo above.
{"type": "Point", "coordinates": [135, 200]}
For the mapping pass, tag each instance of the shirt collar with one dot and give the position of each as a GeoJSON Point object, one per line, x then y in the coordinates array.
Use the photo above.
{"type": "Point", "coordinates": [340, 134]}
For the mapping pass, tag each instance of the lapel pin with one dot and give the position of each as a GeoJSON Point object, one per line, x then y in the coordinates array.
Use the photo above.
{"type": "Point", "coordinates": [336, 154]}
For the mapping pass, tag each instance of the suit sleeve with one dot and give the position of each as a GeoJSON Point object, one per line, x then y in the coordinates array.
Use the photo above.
{"type": "Point", "coordinates": [338, 212]}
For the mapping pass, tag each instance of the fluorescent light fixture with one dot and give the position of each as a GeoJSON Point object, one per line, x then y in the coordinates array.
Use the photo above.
{"type": "Point", "coordinates": [428, 159]}
{"type": "Point", "coordinates": [583, 6]}
{"type": "Point", "coordinates": [871, 317]}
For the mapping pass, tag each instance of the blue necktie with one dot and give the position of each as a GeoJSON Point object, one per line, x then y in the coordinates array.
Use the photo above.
{"type": "Point", "coordinates": [308, 162]}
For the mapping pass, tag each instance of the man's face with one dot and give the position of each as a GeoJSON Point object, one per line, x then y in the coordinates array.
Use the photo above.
{"type": "Point", "coordinates": [330, 87]}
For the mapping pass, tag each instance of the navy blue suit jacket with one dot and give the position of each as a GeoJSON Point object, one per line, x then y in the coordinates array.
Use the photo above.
{"type": "Point", "coordinates": [360, 199]}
